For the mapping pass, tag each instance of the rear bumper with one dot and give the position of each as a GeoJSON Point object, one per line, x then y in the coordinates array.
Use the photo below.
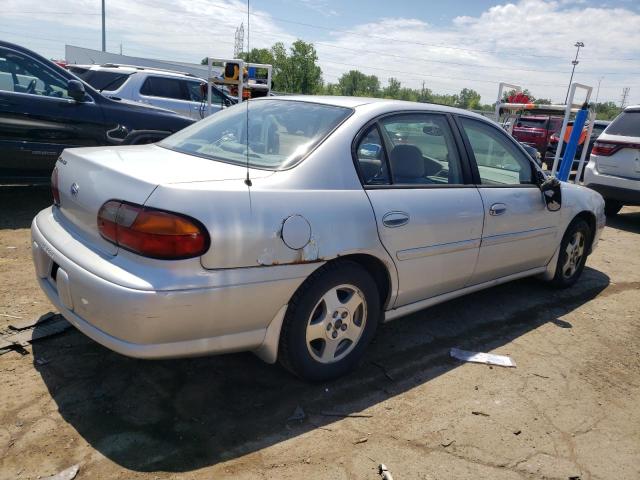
{"type": "Point", "coordinates": [232, 313]}
{"type": "Point", "coordinates": [624, 190]}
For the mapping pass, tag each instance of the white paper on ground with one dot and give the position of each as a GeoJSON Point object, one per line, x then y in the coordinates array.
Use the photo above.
{"type": "Point", "coordinates": [480, 357]}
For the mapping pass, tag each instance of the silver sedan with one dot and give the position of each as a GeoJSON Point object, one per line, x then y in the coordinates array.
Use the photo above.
{"type": "Point", "coordinates": [292, 227]}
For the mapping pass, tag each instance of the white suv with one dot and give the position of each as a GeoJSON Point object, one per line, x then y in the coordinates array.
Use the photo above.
{"type": "Point", "coordinates": [614, 165]}
{"type": "Point", "coordinates": [175, 91]}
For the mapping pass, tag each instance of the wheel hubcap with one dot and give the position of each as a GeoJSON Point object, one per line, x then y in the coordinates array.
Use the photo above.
{"type": "Point", "coordinates": [336, 323]}
{"type": "Point", "coordinates": [574, 253]}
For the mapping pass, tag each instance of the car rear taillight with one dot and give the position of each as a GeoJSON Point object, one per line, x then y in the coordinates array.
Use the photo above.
{"type": "Point", "coordinates": [605, 149]}
{"type": "Point", "coordinates": [150, 232]}
{"type": "Point", "coordinates": [54, 187]}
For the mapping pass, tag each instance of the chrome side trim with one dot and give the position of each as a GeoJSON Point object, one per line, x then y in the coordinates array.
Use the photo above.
{"type": "Point", "coordinates": [429, 302]}
{"type": "Point", "coordinates": [517, 236]}
{"type": "Point", "coordinates": [439, 249]}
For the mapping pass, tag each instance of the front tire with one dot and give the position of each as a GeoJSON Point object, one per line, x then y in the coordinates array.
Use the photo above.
{"type": "Point", "coordinates": [574, 249]}
{"type": "Point", "coordinates": [329, 322]}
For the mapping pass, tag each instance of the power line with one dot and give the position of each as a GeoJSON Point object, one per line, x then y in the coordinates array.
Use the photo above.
{"type": "Point", "coordinates": [368, 67]}
{"type": "Point", "coordinates": [353, 32]}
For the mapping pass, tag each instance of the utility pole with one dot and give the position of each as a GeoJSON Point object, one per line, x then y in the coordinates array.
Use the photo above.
{"type": "Point", "coordinates": [239, 41]}
{"type": "Point", "coordinates": [574, 63]}
{"type": "Point", "coordinates": [598, 93]}
{"type": "Point", "coordinates": [625, 95]}
{"type": "Point", "coordinates": [104, 33]}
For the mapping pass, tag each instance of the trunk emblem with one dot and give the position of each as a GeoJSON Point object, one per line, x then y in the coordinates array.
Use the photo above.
{"type": "Point", "coordinates": [75, 188]}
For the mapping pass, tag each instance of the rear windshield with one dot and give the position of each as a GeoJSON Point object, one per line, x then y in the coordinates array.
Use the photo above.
{"type": "Point", "coordinates": [626, 124]}
{"type": "Point", "coordinates": [281, 133]}
{"type": "Point", "coordinates": [101, 80]}
{"type": "Point", "coordinates": [531, 122]}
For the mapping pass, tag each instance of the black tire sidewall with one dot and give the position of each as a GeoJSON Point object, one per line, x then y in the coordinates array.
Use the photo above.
{"type": "Point", "coordinates": [577, 225]}
{"type": "Point", "coordinates": [299, 360]}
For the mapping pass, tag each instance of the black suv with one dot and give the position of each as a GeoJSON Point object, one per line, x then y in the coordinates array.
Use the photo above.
{"type": "Point", "coordinates": [45, 109]}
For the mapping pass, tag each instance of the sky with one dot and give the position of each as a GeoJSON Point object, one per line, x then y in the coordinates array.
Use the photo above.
{"type": "Point", "coordinates": [447, 45]}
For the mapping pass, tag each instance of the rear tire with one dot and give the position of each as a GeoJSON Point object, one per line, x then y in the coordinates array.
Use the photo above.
{"type": "Point", "coordinates": [330, 321]}
{"type": "Point", "coordinates": [574, 249]}
{"type": "Point", "coordinates": [612, 207]}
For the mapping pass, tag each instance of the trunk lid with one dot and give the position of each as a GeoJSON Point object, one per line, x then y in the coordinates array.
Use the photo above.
{"type": "Point", "coordinates": [88, 177]}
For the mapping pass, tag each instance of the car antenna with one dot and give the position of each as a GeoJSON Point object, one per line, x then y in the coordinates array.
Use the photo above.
{"type": "Point", "coordinates": [247, 181]}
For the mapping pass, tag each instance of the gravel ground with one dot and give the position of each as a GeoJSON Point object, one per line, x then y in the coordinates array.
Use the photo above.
{"type": "Point", "coordinates": [568, 410]}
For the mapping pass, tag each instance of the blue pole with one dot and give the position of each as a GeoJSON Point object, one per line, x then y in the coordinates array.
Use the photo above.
{"type": "Point", "coordinates": [572, 145]}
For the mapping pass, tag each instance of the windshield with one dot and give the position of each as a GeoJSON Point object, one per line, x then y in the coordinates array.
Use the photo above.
{"type": "Point", "coordinates": [281, 133]}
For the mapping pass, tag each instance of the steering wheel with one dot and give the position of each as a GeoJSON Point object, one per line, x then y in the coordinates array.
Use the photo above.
{"type": "Point", "coordinates": [31, 88]}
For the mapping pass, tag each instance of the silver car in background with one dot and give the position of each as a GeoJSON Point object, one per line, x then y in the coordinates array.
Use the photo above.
{"type": "Point", "coordinates": [295, 231]}
{"type": "Point", "coordinates": [176, 91]}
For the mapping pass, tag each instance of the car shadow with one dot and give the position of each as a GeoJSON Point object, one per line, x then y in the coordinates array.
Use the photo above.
{"type": "Point", "coordinates": [625, 220]}
{"type": "Point", "coordinates": [182, 415]}
{"type": "Point", "coordinates": [20, 203]}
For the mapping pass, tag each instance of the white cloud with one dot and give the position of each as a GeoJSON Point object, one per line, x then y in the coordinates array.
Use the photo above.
{"type": "Point", "coordinates": [528, 42]}
{"type": "Point", "coordinates": [503, 43]}
{"type": "Point", "coordinates": [187, 30]}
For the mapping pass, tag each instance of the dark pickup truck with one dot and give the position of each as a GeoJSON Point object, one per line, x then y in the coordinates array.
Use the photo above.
{"type": "Point", "coordinates": [45, 109]}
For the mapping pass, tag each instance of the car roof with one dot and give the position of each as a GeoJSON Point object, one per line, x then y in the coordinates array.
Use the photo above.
{"type": "Point", "coordinates": [114, 67]}
{"type": "Point", "coordinates": [355, 102]}
{"type": "Point", "coordinates": [632, 108]}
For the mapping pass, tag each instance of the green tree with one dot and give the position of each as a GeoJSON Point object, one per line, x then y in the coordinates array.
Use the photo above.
{"type": "Point", "coordinates": [294, 71]}
{"type": "Point", "coordinates": [357, 84]}
{"type": "Point", "coordinates": [469, 99]}
{"type": "Point", "coordinates": [305, 75]}
{"type": "Point", "coordinates": [606, 111]}
{"type": "Point", "coordinates": [258, 55]}
{"type": "Point", "coordinates": [444, 99]}
{"type": "Point", "coordinates": [392, 90]}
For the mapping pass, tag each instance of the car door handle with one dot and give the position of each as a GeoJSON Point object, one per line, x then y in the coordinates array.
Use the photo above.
{"type": "Point", "coordinates": [497, 209]}
{"type": "Point", "coordinates": [395, 219]}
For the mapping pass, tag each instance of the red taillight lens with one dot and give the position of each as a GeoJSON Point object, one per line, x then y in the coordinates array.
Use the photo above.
{"type": "Point", "coordinates": [150, 232]}
{"type": "Point", "coordinates": [605, 149]}
{"type": "Point", "coordinates": [54, 187]}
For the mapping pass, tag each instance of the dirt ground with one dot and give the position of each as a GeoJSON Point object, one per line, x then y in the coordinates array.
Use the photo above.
{"type": "Point", "coordinates": [568, 410]}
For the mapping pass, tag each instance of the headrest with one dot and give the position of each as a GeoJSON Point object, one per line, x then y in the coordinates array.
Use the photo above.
{"type": "Point", "coordinates": [407, 161]}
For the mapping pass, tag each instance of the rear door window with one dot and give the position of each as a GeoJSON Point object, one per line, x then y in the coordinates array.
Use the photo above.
{"type": "Point", "coordinates": [626, 124]}
{"type": "Point", "coordinates": [165, 87]}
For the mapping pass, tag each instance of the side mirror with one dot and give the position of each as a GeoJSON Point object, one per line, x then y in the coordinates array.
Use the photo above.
{"type": "Point", "coordinates": [369, 150]}
{"type": "Point", "coordinates": [552, 193]}
{"type": "Point", "coordinates": [75, 89]}
{"type": "Point", "coordinates": [432, 130]}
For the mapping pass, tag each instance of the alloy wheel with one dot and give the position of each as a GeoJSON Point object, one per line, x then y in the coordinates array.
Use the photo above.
{"type": "Point", "coordinates": [336, 323]}
{"type": "Point", "coordinates": [575, 252]}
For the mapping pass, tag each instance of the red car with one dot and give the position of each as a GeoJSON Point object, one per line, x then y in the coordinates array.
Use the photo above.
{"type": "Point", "coordinates": [536, 130]}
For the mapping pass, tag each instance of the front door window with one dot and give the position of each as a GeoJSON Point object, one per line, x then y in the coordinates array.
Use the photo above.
{"type": "Point", "coordinates": [21, 74]}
